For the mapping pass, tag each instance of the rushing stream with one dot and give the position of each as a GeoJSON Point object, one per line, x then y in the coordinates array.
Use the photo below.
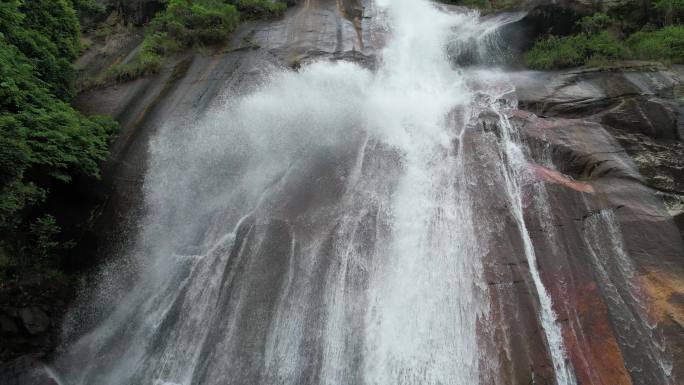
{"type": "Point", "coordinates": [328, 228]}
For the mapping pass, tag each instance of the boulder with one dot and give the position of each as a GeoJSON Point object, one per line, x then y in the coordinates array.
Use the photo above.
{"type": "Point", "coordinates": [8, 325]}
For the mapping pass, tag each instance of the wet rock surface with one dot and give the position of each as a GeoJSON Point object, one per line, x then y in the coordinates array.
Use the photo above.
{"type": "Point", "coordinates": [638, 103]}
{"type": "Point", "coordinates": [30, 316]}
{"type": "Point", "coordinates": [26, 370]}
{"type": "Point", "coordinates": [617, 130]}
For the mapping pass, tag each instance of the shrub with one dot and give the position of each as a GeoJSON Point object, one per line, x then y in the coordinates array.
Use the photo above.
{"type": "Point", "coordinates": [602, 40]}
{"type": "Point", "coordinates": [47, 34]}
{"type": "Point", "coordinates": [187, 23]}
{"type": "Point", "coordinates": [596, 43]}
{"type": "Point", "coordinates": [260, 9]}
{"type": "Point", "coordinates": [183, 24]}
{"type": "Point", "coordinates": [595, 23]}
{"type": "Point", "coordinates": [576, 50]}
{"type": "Point", "coordinates": [41, 131]}
{"type": "Point", "coordinates": [665, 44]}
{"type": "Point", "coordinates": [146, 63]}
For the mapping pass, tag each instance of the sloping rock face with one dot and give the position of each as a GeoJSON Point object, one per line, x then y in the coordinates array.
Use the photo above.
{"type": "Point", "coordinates": [639, 104]}
{"type": "Point", "coordinates": [606, 239]}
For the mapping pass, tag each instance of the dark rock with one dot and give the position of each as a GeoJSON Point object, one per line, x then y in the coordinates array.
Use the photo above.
{"type": "Point", "coordinates": [637, 102]}
{"type": "Point", "coordinates": [8, 325]}
{"type": "Point", "coordinates": [35, 320]}
{"type": "Point", "coordinates": [138, 12]}
{"type": "Point", "coordinates": [644, 115]}
{"type": "Point", "coordinates": [26, 370]}
{"type": "Point", "coordinates": [557, 19]}
{"type": "Point", "coordinates": [10, 311]}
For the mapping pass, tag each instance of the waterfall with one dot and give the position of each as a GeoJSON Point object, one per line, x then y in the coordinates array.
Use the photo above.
{"type": "Point", "coordinates": [322, 228]}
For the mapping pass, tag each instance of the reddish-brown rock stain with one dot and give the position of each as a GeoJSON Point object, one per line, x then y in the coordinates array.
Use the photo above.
{"type": "Point", "coordinates": [593, 351]}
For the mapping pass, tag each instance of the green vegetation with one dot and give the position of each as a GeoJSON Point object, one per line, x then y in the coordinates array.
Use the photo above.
{"type": "Point", "coordinates": [576, 50]}
{"type": "Point", "coordinates": [188, 23]}
{"type": "Point", "coordinates": [145, 63]}
{"type": "Point", "coordinates": [46, 32]}
{"type": "Point", "coordinates": [183, 24]}
{"type": "Point", "coordinates": [259, 9]}
{"type": "Point", "coordinates": [665, 44]}
{"type": "Point", "coordinates": [601, 40]}
{"type": "Point", "coordinates": [43, 140]}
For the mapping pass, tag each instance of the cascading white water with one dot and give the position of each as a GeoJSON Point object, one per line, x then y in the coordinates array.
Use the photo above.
{"type": "Point", "coordinates": [424, 305]}
{"type": "Point", "coordinates": [320, 230]}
